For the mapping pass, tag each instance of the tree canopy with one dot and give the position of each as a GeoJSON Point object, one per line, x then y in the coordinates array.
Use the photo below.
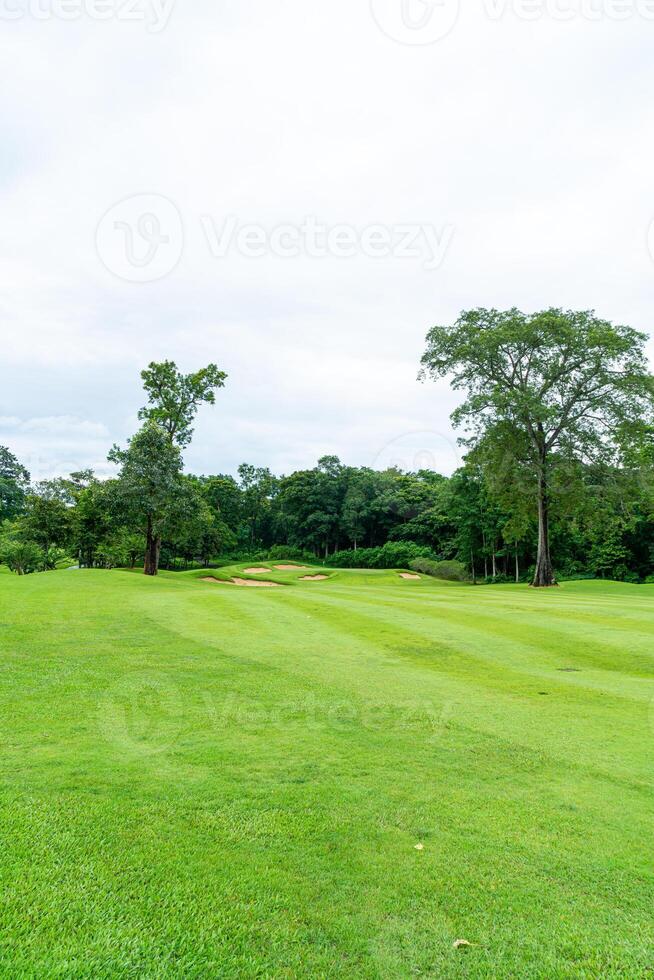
{"type": "Point", "coordinates": [554, 385]}
{"type": "Point", "coordinates": [524, 377]}
{"type": "Point", "coordinates": [174, 398]}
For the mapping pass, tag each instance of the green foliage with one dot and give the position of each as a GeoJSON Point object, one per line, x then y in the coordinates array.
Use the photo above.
{"type": "Point", "coordinates": [21, 556]}
{"type": "Point", "coordinates": [14, 484]}
{"type": "Point", "coordinates": [149, 486]}
{"type": "Point", "coordinates": [47, 520]}
{"type": "Point", "coordinates": [281, 552]}
{"type": "Point", "coordinates": [394, 554]}
{"type": "Point", "coordinates": [448, 571]}
{"type": "Point", "coordinates": [94, 521]}
{"type": "Point", "coordinates": [257, 487]}
{"type": "Point", "coordinates": [485, 516]}
{"type": "Point", "coordinates": [151, 496]}
{"type": "Point", "coordinates": [174, 398]}
{"type": "Point", "coordinates": [555, 387]}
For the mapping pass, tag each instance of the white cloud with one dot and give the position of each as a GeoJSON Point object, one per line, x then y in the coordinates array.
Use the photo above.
{"type": "Point", "coordinates": [526, 137]}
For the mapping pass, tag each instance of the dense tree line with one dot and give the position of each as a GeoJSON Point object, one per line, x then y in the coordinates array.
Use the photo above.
{"type": "Point", "coordinates": [344, 515]}
{"type": "Point", "coordinates": [558, 477]}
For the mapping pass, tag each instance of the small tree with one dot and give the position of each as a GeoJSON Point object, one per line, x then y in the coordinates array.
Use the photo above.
{"type": "Point", "coordinates": [22, 557]}
{"type": "Point", "coordinates": [565, 384]}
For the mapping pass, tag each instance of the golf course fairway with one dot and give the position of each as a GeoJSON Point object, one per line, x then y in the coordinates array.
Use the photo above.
{"type": "Point", "coordinates": [337, 777]}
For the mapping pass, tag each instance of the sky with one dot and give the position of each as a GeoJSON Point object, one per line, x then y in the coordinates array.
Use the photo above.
{"type": "Point", "coordinates": [298, 192]}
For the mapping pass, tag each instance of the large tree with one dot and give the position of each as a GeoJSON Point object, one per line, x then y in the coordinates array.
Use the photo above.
{"type": "Point", "coordinates": [149, 490]}
{"type": "Point", "coordinates": [258, 486]}
{"type": "Point", "coordinates": [174, 398]}
{"type": "Point", "coordinates": [47, 520]}
{"type": "Point", "coordinates": [555, 386]}
{"type": "Point", "coordinates": [14, 484]}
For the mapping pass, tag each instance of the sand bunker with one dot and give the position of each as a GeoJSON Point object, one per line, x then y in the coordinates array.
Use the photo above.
{"type": "Point", "coordinates": [414, 578]}
{"type": "Point", "coordinates": [245, 582]}
{"type": "Point", "coordinates": [256, 571]}
{"type": "Point", "coordinates": [290, 568]}
{"type": "Point", "coordinates": [314, 578]}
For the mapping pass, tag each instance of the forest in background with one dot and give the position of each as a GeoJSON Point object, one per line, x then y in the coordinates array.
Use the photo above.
{"type": "Point", "coordinates": [557, 481]}
{"type": "Point", "coordinates": [342, 515]}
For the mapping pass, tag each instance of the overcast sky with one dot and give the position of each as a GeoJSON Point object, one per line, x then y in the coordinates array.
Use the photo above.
{"type": "Point", "coordinates": [298, 191]}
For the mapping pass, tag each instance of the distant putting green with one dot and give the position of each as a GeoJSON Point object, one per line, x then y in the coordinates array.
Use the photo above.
{"type": "Point", "coordinates": [333, 778]}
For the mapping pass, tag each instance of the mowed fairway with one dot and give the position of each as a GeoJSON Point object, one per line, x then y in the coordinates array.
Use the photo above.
{"type": "Point", "coordinates": [200, 780]}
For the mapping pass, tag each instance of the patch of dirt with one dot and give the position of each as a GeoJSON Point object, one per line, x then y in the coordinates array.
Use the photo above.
{"type": "Point", "coordinates": [244, 582]}
{"type": "Point", "coordinates": [413, 578]}
{"type": "Point", "coordinates": [314, 578]}
{"type": "Point", "coordinates": [256, 571]}
{"type": "Point", "coordinates": [290, 568]}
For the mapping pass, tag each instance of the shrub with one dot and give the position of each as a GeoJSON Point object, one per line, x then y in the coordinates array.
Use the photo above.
{"type": "Point", "coordinates": [282, 552]}
{"type": "Point", "coordinates": [394, 554]}
{"type": "Point", "coordinates": [449, 571]}
{"type": "Point", "coordinates": [22, 557]}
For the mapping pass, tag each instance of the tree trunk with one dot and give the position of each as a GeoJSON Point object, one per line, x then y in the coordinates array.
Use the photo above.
{"type": "Point", "coordinates": [494, 564]}
{"type": "Point", "coordinates": [544, 576]}
{"type": "Point", "coordinates": [152, 549]}
{"type": "Point", "coordinates": [472, 563]}
{"type": "Point", "coordinates": [517, 566]}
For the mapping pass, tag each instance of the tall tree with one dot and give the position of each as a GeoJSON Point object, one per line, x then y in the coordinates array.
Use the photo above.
{"type": "Point", "coordinates": [174, 398]}
{"type": "Point", "coordinates": [47, 521]}
{"type": "Point", "coordinates": [149, 488]}
{"type": "Point", "coordinates": [14, 484]}
{"type": "Point", "coordinates": [564, 384]}
{"type": "Point", "coordinates": [258, 486]}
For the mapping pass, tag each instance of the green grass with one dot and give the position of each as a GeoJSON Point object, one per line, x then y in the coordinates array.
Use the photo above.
{"type": "Point", "coordinates": [206, 781]}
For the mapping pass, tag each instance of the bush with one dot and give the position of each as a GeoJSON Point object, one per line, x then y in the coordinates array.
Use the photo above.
{"type": "Point", "coordinates": [500, 579]}
{"type": "Point", "coordinates": [394, 554]}
{"type": "Point", "coordinates": [52, 558]}
{"type": "Point", "coordinates": [22, 557]}
{"type": "Point", "coordinates": [283, 552]}
{"type": "Point", "coordinates": [449, 571]}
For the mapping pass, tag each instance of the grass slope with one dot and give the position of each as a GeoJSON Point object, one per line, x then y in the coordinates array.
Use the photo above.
{"type": "Point", "coordinates": [202, 781]}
